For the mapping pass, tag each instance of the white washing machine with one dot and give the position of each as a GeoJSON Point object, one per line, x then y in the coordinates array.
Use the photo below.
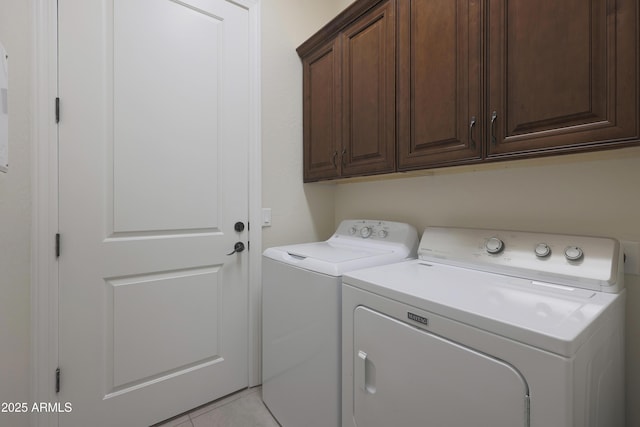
{"type": "Point", "coordinates": [301, 327]}
{"type": "Point", "coordinates": [490, 329]}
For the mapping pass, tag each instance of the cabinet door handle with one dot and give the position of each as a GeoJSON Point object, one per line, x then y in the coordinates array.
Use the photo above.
{"type": "Point", "coordinates": [333, 159]}
{"type": "Point", "coordinates": [471, 126]}
{"type": "Point", "coordinates": [343, 156]}
{"type": "Point", "coordinates": [494, 116]}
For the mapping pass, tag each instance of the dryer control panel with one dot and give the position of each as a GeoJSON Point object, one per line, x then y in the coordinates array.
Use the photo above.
{"type": "Point", "coordinates": [580, 261]}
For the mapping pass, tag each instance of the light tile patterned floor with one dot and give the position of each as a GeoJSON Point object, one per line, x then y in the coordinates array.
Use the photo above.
{"type": "Point", "coordinates": [242, 409]}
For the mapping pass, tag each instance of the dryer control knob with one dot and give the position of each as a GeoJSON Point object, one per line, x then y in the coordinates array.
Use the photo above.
{"type": "Point", "coordinates": [382, 234]}
{"type": "Point", "coordinates": [573, 253]}
{"type": "Point", "coordinates": [542, 250]}
{"type": "Point", "coordinates": [494, 245]}
{"type": "Point", "coordinates": [365, 232]}
{"type": "Point", "coordinates": [352, 230]}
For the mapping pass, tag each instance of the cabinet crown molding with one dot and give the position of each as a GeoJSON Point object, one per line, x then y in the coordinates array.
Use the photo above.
{"type": "Point", "coordinates": [337, 24]}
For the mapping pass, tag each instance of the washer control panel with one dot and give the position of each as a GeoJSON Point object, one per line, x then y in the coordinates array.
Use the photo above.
{"type": "Point", "coordinates": [366, 229]}
{"type": "Point", "coordinates": [580, 261]}
{"type": "Point", "coordinates": [383, 231]}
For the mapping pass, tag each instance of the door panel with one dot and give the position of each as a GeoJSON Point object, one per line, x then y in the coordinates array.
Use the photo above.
{"type": "Point", "coordinates": [404, 376]}
{"type": "Point", "coordinates": [170, 295]}
{"type": "Point", "coordinates": [153, 176]}
{"type": "Point", "coordinates": [322, 113]}
{"type": "Point", "coordinates": [368, 60]}
{"type": "Point", "coordinates": [439, 82]}
{"type": "Point", "coordinates": [166, 120]}
{"type": "Point", "coordinates": [560, 75]}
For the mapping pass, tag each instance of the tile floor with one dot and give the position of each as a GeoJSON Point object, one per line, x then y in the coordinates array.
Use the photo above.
{"type": "Point", "coordinates": [242, 409]}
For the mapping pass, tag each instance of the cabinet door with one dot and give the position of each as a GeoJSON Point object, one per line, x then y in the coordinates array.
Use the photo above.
{"type": "Point", "coordinates": [439, 82]}
{"type": "Point", "coordinates": [368, 59]}
{"type": "Point", "coordinates": [322, 112]}
{"type": "Point", "coordinates": [562, 75]}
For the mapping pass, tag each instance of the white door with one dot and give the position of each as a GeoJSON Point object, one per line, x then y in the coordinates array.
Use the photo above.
{"type": "Point", "coordinates": [153, 146]}
{"type": "Point", "coordinates": [407, 377]}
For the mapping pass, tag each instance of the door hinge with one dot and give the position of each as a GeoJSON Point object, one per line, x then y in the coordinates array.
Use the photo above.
{"type": "Point", "coordinates": [57, 245]}
{"type": "Point", "coordinates": [57, 110]}
{"type": "Point", "coordinates": [58, 380]}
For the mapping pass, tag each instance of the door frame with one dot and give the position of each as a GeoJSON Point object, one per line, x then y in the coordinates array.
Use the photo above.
{"type": "Point", "coordinates": [44, 222]}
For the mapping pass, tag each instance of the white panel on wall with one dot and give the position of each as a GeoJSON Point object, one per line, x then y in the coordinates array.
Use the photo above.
{"type": "Point", "coordinates": [4, 110]}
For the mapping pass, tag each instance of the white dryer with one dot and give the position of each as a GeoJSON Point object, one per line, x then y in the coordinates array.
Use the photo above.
{"type": "Point", "coordinates": [490, 329]}
{"type": "Point", "coordinates": [301, 326]}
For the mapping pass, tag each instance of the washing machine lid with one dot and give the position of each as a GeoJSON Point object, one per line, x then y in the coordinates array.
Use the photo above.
{"type": "Point", "coordinates": [357, 243]}
{"type": "Point", "coordinates": [331, 258]}
{"type": "Point", "coordinates": [327, 252]}
{"type": "Point", "coordinates": [548, 316]}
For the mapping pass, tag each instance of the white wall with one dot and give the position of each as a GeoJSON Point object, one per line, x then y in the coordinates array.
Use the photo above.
{"type": "Point", "coordinates": [590, 194]}
{"type": "Point", "coordinates": [300, 212]}
{"type": "Point", "coordinates": [15, 214]}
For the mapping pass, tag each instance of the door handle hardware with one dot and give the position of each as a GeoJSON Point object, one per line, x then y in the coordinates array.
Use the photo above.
{"type": "Point", "coordinates": [334, 158]}
{"type": "Point", "coordinates": [237, 248]}
{"type": "Point", "coordinates": [471, 126]}
{"type": "Point", "coordinates": [238, 226]}
{"type": "Point", "coordinates": [362, 373]}
{"type": "Point", "coordinates": [365, 373]}
{"type": "Point", "coordinates": [494, 116]}
{"type": "Point", "coordinates": [344, 153]}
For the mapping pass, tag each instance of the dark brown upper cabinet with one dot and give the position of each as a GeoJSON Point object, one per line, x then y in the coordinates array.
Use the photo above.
{"type": "Point", "coordinates": [322, 112]}
{"type": "Point", "coordinates": [399, 85]}
{"type": "Point", "coordinates": [349, 96]}
{"type": "Point", "coordinates": [439, 83]}
{"type": "Point", "coordinates": [562, 76]}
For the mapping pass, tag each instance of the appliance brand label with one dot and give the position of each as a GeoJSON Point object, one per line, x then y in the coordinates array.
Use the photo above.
{"type": "Point", "coordinates": [417, 318]}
